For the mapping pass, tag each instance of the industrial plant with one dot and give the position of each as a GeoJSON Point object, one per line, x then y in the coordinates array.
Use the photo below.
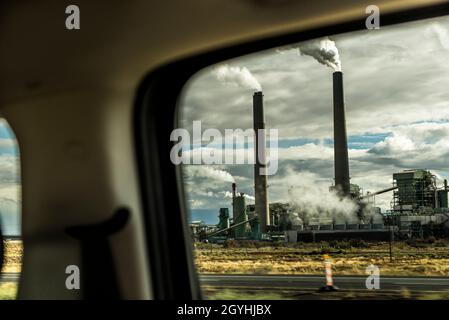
{"type": "Point", "coordinates": [419, 207]}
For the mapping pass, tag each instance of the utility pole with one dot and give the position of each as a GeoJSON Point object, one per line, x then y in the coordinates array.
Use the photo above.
{"type": "Point", "coordinates": [391, 243]}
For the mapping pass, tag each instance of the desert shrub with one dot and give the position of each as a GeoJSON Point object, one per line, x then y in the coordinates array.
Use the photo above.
{"type": "Point", "coordinates": [416, 243]}
{"type": "Point", "coordinates": [358, 243]}
{"type": "Point", "coordinates": [325, 248]}
{"type": "Point", "coordinates": [339, 244]}
{"type": "Point", "coordinates": [431, 239]}
{"type": "Point", "coordinates": [248, 244]}
{"type": "Point", "coordinates": [306, 245]}
{"type": "Point", "coordinates": [411, 242]}
{"type": "Point", "coordinates": [324, 244]}
{"type": "Point", "coordinates": [424, 243]}
{"type": "Point", "coordinates": [205, 246]}
{"type": "Point", "coordinates": [230, 243]}
{"type": "Point", "coordinates": [440, 244]}
{"type": "Point", "coordinates": [342, 245]}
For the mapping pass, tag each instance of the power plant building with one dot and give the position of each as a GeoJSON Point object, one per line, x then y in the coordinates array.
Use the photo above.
{"type": "Point", "coordinates": [418, 207]}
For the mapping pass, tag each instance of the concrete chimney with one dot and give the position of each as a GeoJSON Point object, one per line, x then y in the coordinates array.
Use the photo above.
{"type": "Point", "coordinates": [260, 179]}
{"type": "Point", "coordinates": [234, 196]}
{"type": "Point", "coordinates": [341, 162]}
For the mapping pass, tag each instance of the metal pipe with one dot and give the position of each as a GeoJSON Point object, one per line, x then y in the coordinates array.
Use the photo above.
{"type": "Point", "coordinates": [230, 228]}
{"type": "Point", "coordinates": [260, 177]}
{"type": "Point", "coordinates": [341, 160]}
{"type": "Point", "coordinates": [379, 192]}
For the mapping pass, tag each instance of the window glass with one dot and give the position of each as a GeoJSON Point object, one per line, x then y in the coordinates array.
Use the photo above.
{"type": "Point", "coordinates": [354, 181]}
{"type": "Point", "coordinates": [10, 211]}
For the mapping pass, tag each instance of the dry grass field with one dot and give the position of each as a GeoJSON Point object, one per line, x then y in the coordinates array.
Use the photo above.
{"type": "Point", "coordinates": [13, 263]}
{"type": "Point", "coordinates": [13, 256]}
{"type": "Point", "coordinates": [411, 258]}
{"type": "Point", "coordinates": [8, 290]}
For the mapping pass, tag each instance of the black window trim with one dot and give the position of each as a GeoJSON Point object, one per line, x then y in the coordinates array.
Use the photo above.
{"type": "Point", "coordinates": [155, 116]}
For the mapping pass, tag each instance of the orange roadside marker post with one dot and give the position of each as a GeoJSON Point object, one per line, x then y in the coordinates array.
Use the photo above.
{"type": "Point", "coordinates": [328, 273]}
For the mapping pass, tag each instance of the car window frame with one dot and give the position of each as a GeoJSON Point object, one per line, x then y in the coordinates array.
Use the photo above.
{"type": "Point", "coordinates": [156, 112]}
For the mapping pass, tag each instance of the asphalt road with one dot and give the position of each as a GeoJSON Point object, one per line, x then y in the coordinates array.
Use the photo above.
{"type": "Point", "coordinates": [9, 277]}
{"type": "Point", "coordinates": [307, 282]}
{"type": "Point", "coordinates": [315, 282]}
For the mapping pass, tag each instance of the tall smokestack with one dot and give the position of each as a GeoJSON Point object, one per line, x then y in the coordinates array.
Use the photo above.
{"type": "Point", "coordinates": [234, 195]}
{"type": "Point", "coordinates": [260, 180]}
{"type": "Point", "coordinates": [341, 165]}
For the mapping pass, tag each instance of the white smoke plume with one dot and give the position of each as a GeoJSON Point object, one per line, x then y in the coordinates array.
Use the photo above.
{"type": "Point", "coordinates": [311, 199]}
{"type": "Point", "coordinates": [239, 76]}
{"type": "Point", "coordinates": [228, 194]}
{"type": "Point", "coordinates": [323, 50]}
{"type": "Point", "coordinates": [442, 35]}
{"type": "Point", "coordinates": [250, 198]}
{"type": "Point", "coordinates": [201, 171]}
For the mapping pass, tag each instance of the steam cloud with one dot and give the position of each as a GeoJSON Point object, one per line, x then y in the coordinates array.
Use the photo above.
{"type": "Point", "coordinates": [323, 50]}
{"type": "Point", "coordinates": [442, 35]}
{"type": "Point", "coordinates": [228, 194]}
{"type": "Point", "coordinates": [209, 173]}
{"type": "Point", "coordinates": [313, 200]}
{"type": "Point", "coordinates": [239, 76]}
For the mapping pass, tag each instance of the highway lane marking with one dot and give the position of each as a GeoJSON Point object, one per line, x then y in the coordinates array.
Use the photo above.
{"type": "Point", "coordinates": [289, 278]}
{"type": "Point", "coordinates": [229, 279]}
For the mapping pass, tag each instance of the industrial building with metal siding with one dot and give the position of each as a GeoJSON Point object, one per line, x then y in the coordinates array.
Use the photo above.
{"type": "Point", "coordinates": [419, 207]}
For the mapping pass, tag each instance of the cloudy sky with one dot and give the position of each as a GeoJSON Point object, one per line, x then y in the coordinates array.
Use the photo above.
{"type": "Point", "coordinates": [396, 83]}
{"type": "Point", "coordinates": [10, 200]}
